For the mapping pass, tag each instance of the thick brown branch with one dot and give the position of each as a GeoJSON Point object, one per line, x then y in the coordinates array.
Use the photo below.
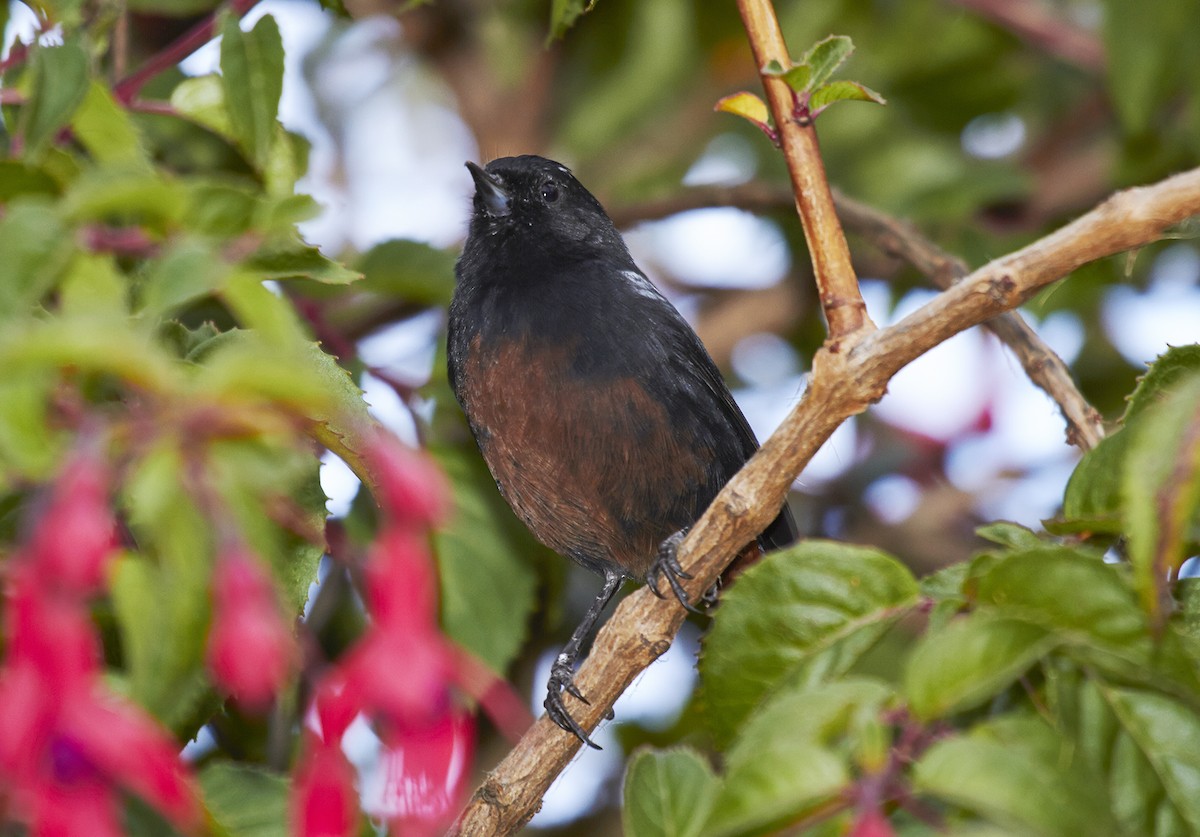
{"type": "Point", "coordinates": [837, 285]}
{"type": "Point", "coordinates": [845, 380]}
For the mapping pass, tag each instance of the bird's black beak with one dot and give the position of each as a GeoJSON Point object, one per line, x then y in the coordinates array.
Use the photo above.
{"type": "Point", "coordinates": [496, 200]}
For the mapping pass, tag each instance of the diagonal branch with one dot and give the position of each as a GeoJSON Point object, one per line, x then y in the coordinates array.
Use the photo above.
{"type": "Point", "coordinates": [898, 238]}
{"type": "Point", "coordinates": [845, 380]}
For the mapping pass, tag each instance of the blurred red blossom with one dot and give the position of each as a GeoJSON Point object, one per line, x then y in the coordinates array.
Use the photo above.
{"type": "Point", "coordinates": [75, 534]}
{"type": "Point", "coordinates": [409, 487]}
{"type": "Point", "coordinates": [250, 647]}
{"type": "Point", "coordinates": [67, 744]}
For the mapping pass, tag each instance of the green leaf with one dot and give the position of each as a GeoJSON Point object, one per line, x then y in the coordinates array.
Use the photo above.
{"type": "Point", "coordinates": [202, 99]}
{"type": "Point", "coordinates": [825, 57]}
{"type": "Point", "coordinates": [564, 13]}
{"type": "Point", "coordinates": [252, 77]}
{"type": "Point", "coordinates": [1162, 493]}
{"type": "Point", "coordinates": [1094, 501]}
{"type": "Point", "coordinates": [132, 196]}
{"type": "Point", "coordinates": [668, 793]}
{"type": "Point", "coordinates": [794, 753]}
{"type": "Point", "coordinates": [258, 307]}
{"type": "Point", "coordinates": [36, 250]}
{"type": "Point", "coordinates": [1138, 60]}
{"type": "Point", "coordinates": [838, 91]}
{"type": "Point", "coordinates": [1165, 375]}
{"type": "Point", "coordinates": [188, 272]}
{"type": "Point", "coordinates": [161, 596]}
{"type": "Point", "coordinates": [29, 443]}
{"type": "Point", "coordinates": [60, 82]}
{"type": "Point", "coordinates": [94, 288]}
{"type": "Point", "coordinates": [244, 800]}
{"type": "Point", "coordinates": [1079, 596]}
{"type": "Point", "coordinates": [798, 616]}
{"type": "Point", "coordinates": [970, 661]}
{"type": "Point", "coordinates": [487, 586]}
{"type": "Point", "coordinates": [1017, 773]}
{"type": "Point", "coordinates": [104, 128]}
{"type": "Point", "coordinates": [1167, 733]}
{"type": "Point", "coordinates": [18, 179]}
{"type": "Point", "coordinates": [797, 76]}
{"type": "Point", "coordinates": [293, 259]}
{"type": "Point", "coordinates": [1012, 535]}
{"type": "Point", "coordinates": [410, 271]}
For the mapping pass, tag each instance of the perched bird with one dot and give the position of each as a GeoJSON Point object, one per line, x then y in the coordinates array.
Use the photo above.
{"type": "Point", "coordinates": [607, 426]}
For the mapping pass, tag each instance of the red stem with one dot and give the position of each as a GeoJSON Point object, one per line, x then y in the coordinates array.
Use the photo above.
{"type": "Point", "coordinates": [127, 88]}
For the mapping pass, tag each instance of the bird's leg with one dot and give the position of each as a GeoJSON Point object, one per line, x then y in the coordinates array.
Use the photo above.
{"type": "Point", "coordinates": [562, 673]}
{"type": "Point", "coordinates": [667, 565]}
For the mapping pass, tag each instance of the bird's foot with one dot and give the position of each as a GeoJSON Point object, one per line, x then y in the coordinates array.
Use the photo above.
{"type": "Point", "coordinates": [666, 564]}
{"type": "Point", "coordinates": [562, 679]}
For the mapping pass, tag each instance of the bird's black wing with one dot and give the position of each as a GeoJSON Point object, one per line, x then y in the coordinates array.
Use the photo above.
{"type": "Point", "coordinates": [698, 387]}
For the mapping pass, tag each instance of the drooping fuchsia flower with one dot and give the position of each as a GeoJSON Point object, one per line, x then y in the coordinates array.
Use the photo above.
{"type": "Point", "coordinates": [68, 745]}
{"type": "Point", "coordinates": [401, 674]}
{"type": "Point", "coordinates": [251, 650]}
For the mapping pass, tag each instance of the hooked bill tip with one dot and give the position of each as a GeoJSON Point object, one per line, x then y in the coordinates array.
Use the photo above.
{"type": "Point", "coordinates": [496, 199]}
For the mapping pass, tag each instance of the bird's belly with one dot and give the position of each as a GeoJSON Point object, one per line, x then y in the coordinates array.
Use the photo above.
{"type": "Point", "coordinates": [592, 464]}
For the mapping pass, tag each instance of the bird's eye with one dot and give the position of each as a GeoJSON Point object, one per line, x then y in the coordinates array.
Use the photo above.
{"type": "Point", "coordinates": [549, 192]}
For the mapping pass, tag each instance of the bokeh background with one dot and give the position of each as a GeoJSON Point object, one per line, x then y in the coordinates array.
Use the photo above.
{"type": "Point", "coordinates": [1004, 120]}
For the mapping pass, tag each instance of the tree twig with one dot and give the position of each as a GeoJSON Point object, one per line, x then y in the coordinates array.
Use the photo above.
{"type": "Point", "coordinates": [837, 286]}
{"type": "Point", "coordinates": [898, 238]}
{"type": "Point", "coordinates": [1085, 426]}
{"type": "Point", "coordinates": [844, 382]}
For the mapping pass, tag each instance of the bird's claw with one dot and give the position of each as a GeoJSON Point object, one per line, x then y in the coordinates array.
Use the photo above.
{"type": "Point", "coordinates": [667, 565]}
{"type": "Point", "coordinates": [562, 679]}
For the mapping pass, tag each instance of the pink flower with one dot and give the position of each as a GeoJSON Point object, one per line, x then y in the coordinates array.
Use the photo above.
{"type": "Point", "coordinates": [426, 772]}
{"type": "Point", "coordinates": [324, 802]}
{"type": "Point", "coordinates": [401, 586]}
{"type": "Point", "coordinates": [48, 629]}
{"type": "Point", "coordinates": [411, 489]}
{"type": "Point", "coordinates": [250, 648]}
{"type": "Point", "coordinates": [74, 538]}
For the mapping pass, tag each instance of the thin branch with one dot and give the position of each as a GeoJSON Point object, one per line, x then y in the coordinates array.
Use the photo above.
{"type": "Point", "coordinates": [1085, 426]}
{"type": "Point", "coordinates": [845, 380]}
{"type": "Point", "coordinates": [128, 88]}
{"type": "Point", "coordinates": [898, 238]}
{"type": "Point", "coordinates": [1033, 22]}
{"type": "Point", "coordinates": [837, 286]}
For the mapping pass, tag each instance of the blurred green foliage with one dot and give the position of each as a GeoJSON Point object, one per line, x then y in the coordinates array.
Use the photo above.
{"type": "Point", "coordinates": [155, 283]}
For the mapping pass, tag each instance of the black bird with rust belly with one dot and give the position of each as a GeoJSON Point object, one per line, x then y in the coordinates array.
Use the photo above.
{"type": "Point", "coordinates": [607, 426]}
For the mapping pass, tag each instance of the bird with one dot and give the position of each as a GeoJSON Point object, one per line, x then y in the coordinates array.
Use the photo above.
{"type": "Point", "coordinates": [604, 421]}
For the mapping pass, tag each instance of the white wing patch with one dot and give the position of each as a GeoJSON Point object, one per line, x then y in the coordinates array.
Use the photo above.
{"type": "Point", "coordinates": [642, 285]}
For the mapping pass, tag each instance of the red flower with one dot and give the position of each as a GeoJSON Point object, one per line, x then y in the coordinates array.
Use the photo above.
{"type": "Point", "coordinates": [74, 538]}
{"type": "Point", "coordinates": [425, 773]}
{"type": "Point", "coordinates": [411, 489]}
{"type": "Point", "coordinates": [250, 648]}
{"type": "Point", "coordinates": [324, 802]}
{"type": "Point", "coordinates": [48, 629]}
{"type": "Point", "coordinates": [401, 587]}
